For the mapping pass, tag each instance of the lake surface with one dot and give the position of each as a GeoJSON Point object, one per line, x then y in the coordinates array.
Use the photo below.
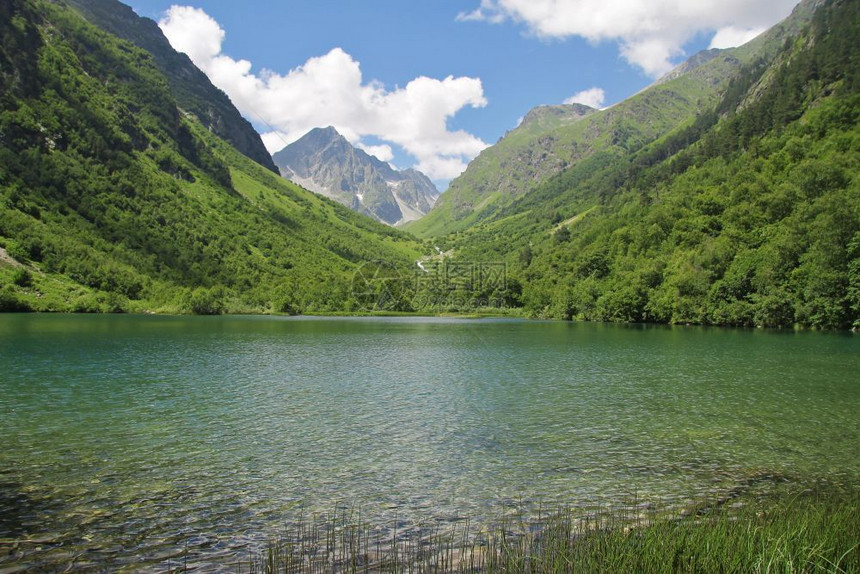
{"type": "Point", "coordinates": [126, 438]}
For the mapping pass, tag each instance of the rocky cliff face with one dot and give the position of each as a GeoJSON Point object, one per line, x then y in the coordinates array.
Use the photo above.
{"type": "Point", "coordinates": [325, 162]}
{"type": "Point", "coordinates": [191, 87]}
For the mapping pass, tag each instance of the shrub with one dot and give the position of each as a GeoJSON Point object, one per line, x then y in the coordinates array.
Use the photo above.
{"type": "Point", "coordinates": [9, 301]}
{"type": "Point", "coordinates": [207, 301]}
{"type": "Point", "coordinates": [22, 278]}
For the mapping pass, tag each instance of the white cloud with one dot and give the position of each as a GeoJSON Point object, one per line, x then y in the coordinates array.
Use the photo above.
{"type": "Point", "coordinates": [330, 90]}
{"type": "Point", "coordinates": [446, 167]}
{"type": "Point", "coordinates": [650, 33]}
{"type": "Point", "coordinates": [487, 12]}
{"type": "Point", "coordinates": [275, 140]}
{"type": "Point", "coordinates": [731, 36]}
{"type": "Point", "coordinates": [593, 97]}
{"type": "Point", "coordinates": [381, 152]}
{"type": "Point", "coordinates": [192, 31]}
{"type": "Point", "coordinates": [654, 55]}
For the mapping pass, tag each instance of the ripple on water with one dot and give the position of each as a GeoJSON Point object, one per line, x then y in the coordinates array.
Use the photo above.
{"type": "Point", "coordinates": [132, 437]}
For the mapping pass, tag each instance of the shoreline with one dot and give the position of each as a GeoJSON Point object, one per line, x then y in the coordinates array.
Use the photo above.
{"type": "Point", "coordinates": [427, 314]}
{"type": "Point", "coordinates": [766, 518]}
{"type": "Point", "coordinates": [798, 529]}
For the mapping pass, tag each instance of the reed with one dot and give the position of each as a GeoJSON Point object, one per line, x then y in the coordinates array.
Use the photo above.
{"type": "Point", "coordinates": [812, 530]}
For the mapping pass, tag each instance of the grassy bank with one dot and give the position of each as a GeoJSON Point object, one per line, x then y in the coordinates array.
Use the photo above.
{"type": "Point", "coordinates": [790, 530]}
{"type": "Point", "coordinates": [792, 533]}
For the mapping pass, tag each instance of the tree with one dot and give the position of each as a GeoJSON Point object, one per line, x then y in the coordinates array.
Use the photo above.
{"type": "Point", "coordinates": [561, 235]}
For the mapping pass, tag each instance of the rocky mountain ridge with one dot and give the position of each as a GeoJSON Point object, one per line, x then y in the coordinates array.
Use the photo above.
{"type": "Point", "coordinates": [323, 161]}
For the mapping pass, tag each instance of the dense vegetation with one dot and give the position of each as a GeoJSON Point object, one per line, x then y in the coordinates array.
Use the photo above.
{"type": "Point", "coordinates": [736, 206]}
{"type": "Point", "coordinates": [566, 138]}
{"type": "Point", "coordinates": [748, 216]}
{"type": "Point", "coordinates": [113, 198]}
{"type": "Point", "coordinates": [192, 89]}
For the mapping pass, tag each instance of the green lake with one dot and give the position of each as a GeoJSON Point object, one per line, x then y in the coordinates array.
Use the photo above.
{"type": "Point", "coordinates": [127, 439]}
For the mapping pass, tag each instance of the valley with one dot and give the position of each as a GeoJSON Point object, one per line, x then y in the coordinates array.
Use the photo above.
{"type": "Point", "coordinates": [241, 328]}
{"type": "Point", "coordinates": [723, 194]}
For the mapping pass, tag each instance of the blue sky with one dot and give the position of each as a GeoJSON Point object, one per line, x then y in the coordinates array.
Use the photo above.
{"type": "Point", "coordinates": [429, 84]}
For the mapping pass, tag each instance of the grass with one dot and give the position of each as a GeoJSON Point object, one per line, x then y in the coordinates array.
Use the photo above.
{"type": "Point", "coordinates": [782, 530]}
{"type": "Point", "coordinates": [802, 533]}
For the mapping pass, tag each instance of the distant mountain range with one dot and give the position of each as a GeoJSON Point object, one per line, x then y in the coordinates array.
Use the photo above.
{"type": "Point", "coordinates": [323, 161]}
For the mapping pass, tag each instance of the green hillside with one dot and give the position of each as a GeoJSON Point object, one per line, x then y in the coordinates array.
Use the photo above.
{"type": "Point", "coordinates": [725, 194]}
{"type": "Point", "coordinates": [192, 89]}
{"type": "Point", "coordinates": [749, 215]}
{"type": "Point", "coordinates": [112, 198]}
{"type": "Point", "coordinates": [565, 137]}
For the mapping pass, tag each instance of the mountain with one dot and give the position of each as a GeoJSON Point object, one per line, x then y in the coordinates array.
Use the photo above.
{"type": "Point", "coordinates": [325, 162]}
{"type": "Point", "coordinates": [114, 196]}
{"type": "Point", "coordinates": [725, 194]}
{"type": "Point", "coordinates": [746, 213]}
{"type": "Point", "coordinates": [190, 87]}
{"type": "Point", "coordinates": [552, 139]}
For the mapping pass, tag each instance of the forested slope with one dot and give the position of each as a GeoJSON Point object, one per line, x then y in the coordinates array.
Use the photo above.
{"type": "Point", "coordinates": [112, 198]}
{"type": "Point", "coordinates": [564, 138]}
{"type": "Point", "coordinates": [749, 216]}
{"type": "Point", "coordinates": [192, 89]}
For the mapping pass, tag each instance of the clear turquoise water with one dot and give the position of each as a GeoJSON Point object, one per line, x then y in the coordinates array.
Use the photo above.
{"type": "Point", "coordinates": [127, 437]}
